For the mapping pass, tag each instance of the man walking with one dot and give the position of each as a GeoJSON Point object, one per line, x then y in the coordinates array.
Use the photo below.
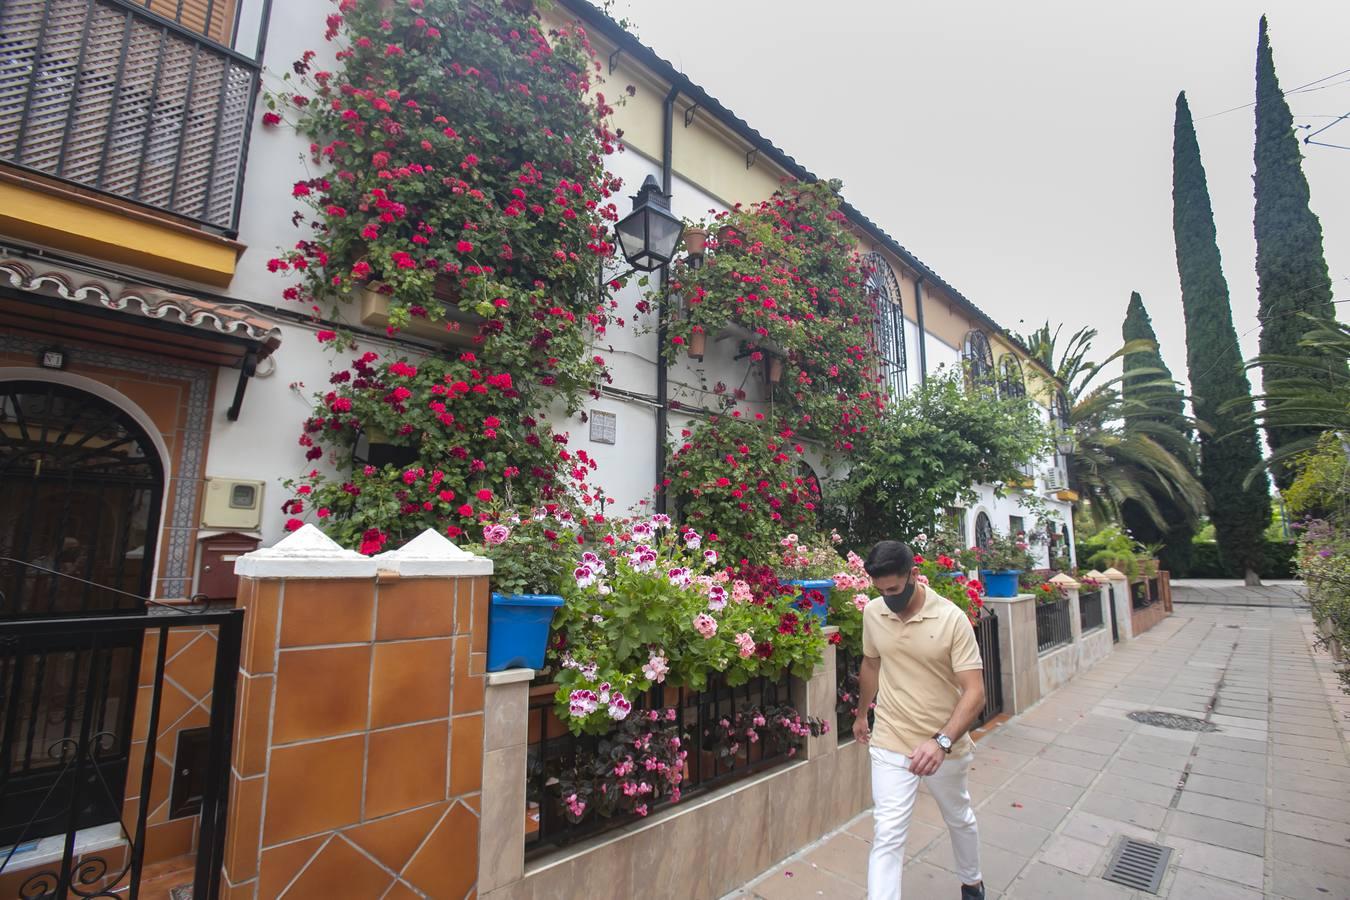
{"type": "Point", "coordinates": [921, 663]}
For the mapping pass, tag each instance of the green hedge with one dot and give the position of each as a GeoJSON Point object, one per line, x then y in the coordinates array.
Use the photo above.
{"type": "Point", "coordinates": [1207, 562]}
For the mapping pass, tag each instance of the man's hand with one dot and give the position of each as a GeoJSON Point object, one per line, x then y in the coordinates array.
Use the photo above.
{"type": "Point", "coordinates": [861, 733]}
{"type": "Point", "coordinates": [926, 759]}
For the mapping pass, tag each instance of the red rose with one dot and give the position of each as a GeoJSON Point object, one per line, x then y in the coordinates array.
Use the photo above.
{"type": "Point", "coordinates": [485, 495]}
{"type": "Point", "coordinates": [294, 525]}
{"type": "Point", "coordinates": [271, 119]}
{"type": "Point", "coordinates": [466, 510]}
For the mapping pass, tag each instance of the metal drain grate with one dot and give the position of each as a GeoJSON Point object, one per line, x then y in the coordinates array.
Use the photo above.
{"type": "Point", "coordinates": [1171, 720]}
{"type": "Point", "coordinates": [1139, 865]}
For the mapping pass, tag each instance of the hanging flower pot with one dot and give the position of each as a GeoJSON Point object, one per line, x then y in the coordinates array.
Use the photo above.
{"type": "Point", "coordinates": [518, 630]}
{"type": "Point", "coordinates": [698, 344]}
{"type": "Point", "coordinates": [774, 367]}
{"type": "Point", "coordinates": [695, 241]}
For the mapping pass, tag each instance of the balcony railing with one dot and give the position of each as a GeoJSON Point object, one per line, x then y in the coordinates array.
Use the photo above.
{"type": "Point", "coordinates": [144, 101]}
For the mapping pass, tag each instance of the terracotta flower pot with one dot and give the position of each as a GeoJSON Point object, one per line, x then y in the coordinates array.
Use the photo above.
{"type": "Point", "coordinates": [695, 241]}
{"type": "Point", "coordinates": [698, 344]}
{"type": "Point", "coordinates": [775, 369]}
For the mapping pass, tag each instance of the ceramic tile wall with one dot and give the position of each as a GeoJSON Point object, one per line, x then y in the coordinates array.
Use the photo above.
{"type": "Point", "coordinates": [358, 759]}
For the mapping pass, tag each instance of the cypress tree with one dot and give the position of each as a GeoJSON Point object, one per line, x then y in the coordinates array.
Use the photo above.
{"type": "Point", "coordinates": [1291, 270]}
{"type": "Point", "coordinates": [1151, 395]}
{"type": "Point", "coordinates": [1220, 391]}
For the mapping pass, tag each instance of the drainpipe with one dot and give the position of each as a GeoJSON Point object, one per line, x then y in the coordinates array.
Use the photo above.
{"type": "Point", "coordinates": [923, 339]}
{"type": "Point", "coordinates": [662, 304]}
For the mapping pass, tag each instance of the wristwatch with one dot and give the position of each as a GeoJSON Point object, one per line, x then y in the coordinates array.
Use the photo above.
{"type": "Point", "coordinates": [944, 742]}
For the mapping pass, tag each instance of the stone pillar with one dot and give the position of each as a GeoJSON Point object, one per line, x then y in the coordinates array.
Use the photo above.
{"type": "Point", "coordinates": [1070, 588]}
{"type": "Point", "coordinates": [817, 698]}
{"type": "Point", "coordinates": [506, 706]}
{"type": "Point", "coordinates": [1120, 599]}
{"type": "Point", "coordinates": [1018, 657]}
{"type": "Point", "coordinates": [359, 746]}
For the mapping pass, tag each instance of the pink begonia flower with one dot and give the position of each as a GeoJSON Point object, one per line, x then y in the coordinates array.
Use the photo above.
{"type": "Point", "coordinates": [740, 591]}
{"type": "Point", "coordinates": [692, 539]}
{"type": "Point", "coordinates": [705, 625]}
{"type": "Point", "coordinates": [717, 598]}
{"type": "Point", "coordinates": [922, 578]}
{"type": "Point", "coordinates": [661, 519]}
{"type": "Point", "coordinates": [921, 539]}
{"type": "Point", "coordinates": [860, 601]}
{"type": "Point", "coordinates": [680, 577]}
{"type": "Point", "coordinates": [745, 645]}
{"type": "Point", "coordinates": [584, 576]}
{"type": "Point", "coordinates": [582, 703]}
{"type": "Point", "coordinates": [710, 557]}
{"type": "Point", "coordinates": [619, 708]}
{"type": "Point", "coordinates": [495, 534]}
{"type": "Point", "coordinates": [643, 530]}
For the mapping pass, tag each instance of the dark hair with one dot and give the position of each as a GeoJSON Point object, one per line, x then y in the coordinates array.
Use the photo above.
{"type": "Point", "coordinates": [889, 558]}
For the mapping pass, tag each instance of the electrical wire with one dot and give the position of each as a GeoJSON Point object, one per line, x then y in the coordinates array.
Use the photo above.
{"type": "Point", "coordinates": [1301, 88]}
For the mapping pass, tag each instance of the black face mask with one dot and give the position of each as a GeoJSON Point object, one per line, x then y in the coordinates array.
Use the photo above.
{"type": "Point", "coordinates": [896, 603]}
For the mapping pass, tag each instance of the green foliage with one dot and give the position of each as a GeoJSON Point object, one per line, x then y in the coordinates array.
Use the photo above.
{"type": "Point", "coordinates": [1324, 566]}
{"type": "Point", "coordinates": [740, 480]}
{"type": "Point", "coordinates": [785, 274]}
{"type": "Point", "coordinates": [1126, 450]}
{"type": "Point", "coordinates": [1207, 561]}
{"type": "Point", "coordinates": [533, 554]}
{"type": "Point", "coordinates": [1151, 395]}
{"type": "Point", "coordinates": [927, 452]}
{"type": "Point", "coordinates": [1110, 548]}
{"type": "Point", "coordinates": [1321, 488]}
{"type": "Point", "coordinates": [1291, 269]}
{"type": "Point", "coordinates": [1313, 388]}
{"type": "Point", "coordinates": [651, 608]}
{"type": "Point", "coordinates": [469, 448]}
{"type": "Point", "coordinates": [1221, 393]}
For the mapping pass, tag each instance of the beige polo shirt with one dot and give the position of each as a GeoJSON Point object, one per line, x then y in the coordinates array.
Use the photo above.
{"type": "Point", "coordinates": [918, 689]}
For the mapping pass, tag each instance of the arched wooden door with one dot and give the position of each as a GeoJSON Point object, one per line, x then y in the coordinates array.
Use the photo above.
{"type": "Point", "coordinates": [81, 483]}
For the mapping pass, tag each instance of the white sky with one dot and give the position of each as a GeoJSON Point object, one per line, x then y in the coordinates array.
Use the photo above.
{"type": "Point", "coordinates": [1024, 151]}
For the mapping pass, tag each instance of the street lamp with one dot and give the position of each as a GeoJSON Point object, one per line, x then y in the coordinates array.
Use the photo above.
{"type": "Point", "coordinates": [649, 235]}
{"type": "Point", "coordinates": [1064, 442]}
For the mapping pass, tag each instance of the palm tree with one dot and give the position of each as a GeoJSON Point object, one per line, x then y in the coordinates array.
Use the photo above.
{"type": "Point", "coordinates": [1313, 391]}
{"type": "Point", "coordinates": [1123, 449]}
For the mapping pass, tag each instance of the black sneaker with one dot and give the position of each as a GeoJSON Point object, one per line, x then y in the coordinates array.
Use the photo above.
{"type": "Point", "coordinates": [972, 891]}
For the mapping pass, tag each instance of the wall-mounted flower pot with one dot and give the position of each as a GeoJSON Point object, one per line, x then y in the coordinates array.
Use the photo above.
{"type": "Point", "coordinates": [698, 345]}
{"type": "Point", "coordinates": [695, 241]}
{"type": "Point", "coordinates": [518, 630]}
{"type": "Point", "coordinates": [374, 312]}
{"type": "Point", "coordinates": [816, 592]}
{"type": "Point", "coordinates": [1002, 583]}
{"type": "Point", "coordinates": [774, 367]}
{"type": "Point", "coordinates": [380, 451]}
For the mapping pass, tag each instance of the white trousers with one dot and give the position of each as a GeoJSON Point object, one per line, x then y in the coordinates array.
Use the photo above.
{"type": "Point", "coordinates": [893, 790]}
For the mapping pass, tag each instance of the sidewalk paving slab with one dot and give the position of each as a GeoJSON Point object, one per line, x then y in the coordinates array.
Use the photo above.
{"type": "Point", "coordinates": [1258, 808]}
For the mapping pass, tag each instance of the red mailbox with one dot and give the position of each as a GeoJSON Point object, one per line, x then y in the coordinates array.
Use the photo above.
{"type": "Point", "coordinates": [218, 553]}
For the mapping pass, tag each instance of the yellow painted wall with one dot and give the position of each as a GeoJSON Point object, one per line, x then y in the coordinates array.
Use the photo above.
{"type": "Point", "coordinates": [70, 221]}
{"type": "Point", "coordinates": [711, 156]}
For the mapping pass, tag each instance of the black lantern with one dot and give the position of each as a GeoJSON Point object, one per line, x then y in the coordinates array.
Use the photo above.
{"type": "Point", "coordinates": [649, 235]}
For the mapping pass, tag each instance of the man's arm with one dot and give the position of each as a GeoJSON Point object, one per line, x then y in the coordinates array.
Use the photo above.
{"type": "Point", "coordinates": [928, 756]}
{"type": "Point", "coordinates": [868, 675]}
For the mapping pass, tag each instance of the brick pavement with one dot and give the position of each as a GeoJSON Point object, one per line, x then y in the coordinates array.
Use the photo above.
{"type": "Point", "coordinates": [1259, 807]}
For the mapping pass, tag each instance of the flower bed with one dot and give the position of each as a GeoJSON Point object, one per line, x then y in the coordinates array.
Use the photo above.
{"type": "Point", "coordinates": [676, 742]}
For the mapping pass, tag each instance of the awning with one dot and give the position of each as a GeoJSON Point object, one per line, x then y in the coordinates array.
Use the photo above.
{"type": "Point", "coordinates": [59, 304]}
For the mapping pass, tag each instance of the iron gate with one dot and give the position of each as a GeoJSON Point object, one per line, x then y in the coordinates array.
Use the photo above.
{"type": "Point", "coordinates": [986, 637]}
{"type": "Point", "coordinates": [67, 771]}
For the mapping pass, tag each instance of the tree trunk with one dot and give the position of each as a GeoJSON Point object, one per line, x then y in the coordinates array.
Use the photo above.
{"type": "Point", "coordinates": [1252, 579]}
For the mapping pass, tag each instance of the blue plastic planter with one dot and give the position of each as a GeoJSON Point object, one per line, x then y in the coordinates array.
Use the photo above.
{"type": "Point", "coordinates": [518, 630]}
{"type": "Point", "coordinates": [821, 607]}
{"type": "Point", "coordinates": [1000, 584]}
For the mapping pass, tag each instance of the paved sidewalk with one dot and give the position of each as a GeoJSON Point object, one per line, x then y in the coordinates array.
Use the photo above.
{"type": "Point", "coordinates": [1259, 807]}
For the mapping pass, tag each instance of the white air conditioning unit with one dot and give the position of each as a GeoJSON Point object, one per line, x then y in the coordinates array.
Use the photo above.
{"type": "Point", "coordinates": [1055, 478]}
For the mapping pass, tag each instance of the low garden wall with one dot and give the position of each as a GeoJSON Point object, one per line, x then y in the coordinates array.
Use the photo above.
{"type": "Point", "coordinates": [704, 846]}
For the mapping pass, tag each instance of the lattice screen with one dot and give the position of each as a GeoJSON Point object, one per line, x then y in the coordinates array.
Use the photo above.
{"type": "Point", "coordinates": [100, 94]}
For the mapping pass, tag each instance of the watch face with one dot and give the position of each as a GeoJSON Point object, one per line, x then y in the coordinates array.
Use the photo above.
{"type": "Point", "coordinates": [944, 742]}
